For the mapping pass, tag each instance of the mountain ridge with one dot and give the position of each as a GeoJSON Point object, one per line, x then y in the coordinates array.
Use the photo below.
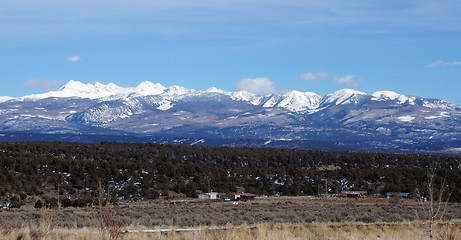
{"type": "Point", "coordinates": [349, 118]}
{"type": "Point", "coordinates": [310, 100]}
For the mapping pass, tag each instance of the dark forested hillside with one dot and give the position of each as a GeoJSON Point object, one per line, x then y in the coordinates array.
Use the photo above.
{"type": "Point", "coordinates": [144, 171]}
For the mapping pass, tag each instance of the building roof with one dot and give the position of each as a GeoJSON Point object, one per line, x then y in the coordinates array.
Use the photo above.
{"type": "Point", "coordinates": [401, 194]}
{"type": "Point", "coordinates": [245, 194]}
{"type": "Point", "coordinates": [354, 192]}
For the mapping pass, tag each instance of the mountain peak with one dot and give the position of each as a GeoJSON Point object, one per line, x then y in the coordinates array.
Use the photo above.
{"type": "Point", "coordinates": [300, 101]}
{"type": "Point", "coordinates": [72, 84]}
{"type": "Point", "coordinates": [80, 90]}
{"type": "Point", "coordinates": [388, 95]}
{"type": "Point", "coordinates": [178, 90]}
{"type": "Point", "coordinates": [147, 88]}
{"type": "Point", "coordinates": [344, 96]}
{"type": "Point", "coordinates": [214, 90]}
{"type": "Point", "coordinates": [347, 91]}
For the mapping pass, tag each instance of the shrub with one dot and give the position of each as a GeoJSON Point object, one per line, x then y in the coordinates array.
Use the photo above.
{"type": "Point", "coordinates": [111, 225]}
{"type": "Point", "coordinates": [51, 203]}
{"type": "Point", "coordinates": [67, 203]}
{"type": "Point", "coordinates": [80, 203]}
{"type": "Point", "coordinates": [38, 204]}
{"type": "Point", "coordinates": [15, 204]}
{"type": "Point", "coordinates": [114, 201]}
{"type": "Point", "coordinates": [23, 196]}
{"type": "Point", "coordinates": [394, 199]}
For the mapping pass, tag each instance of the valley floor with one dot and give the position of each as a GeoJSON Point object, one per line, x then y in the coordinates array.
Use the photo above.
{"type": "Point", "coordinates": [265, 218]}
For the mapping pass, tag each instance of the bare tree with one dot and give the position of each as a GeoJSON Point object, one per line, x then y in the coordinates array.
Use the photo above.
{"type": "Point", "coordinates": [431, 203]}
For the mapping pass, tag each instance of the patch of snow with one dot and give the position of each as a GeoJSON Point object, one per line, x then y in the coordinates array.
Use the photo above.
{"type": "Point", "coordinates": [385, 131]}
{"type": "Point", "coordinates": [441, 115]}
{"type": "Point", "coordinates": [198, 141]}
{"type": "Point", "coordinates": [412, 100]}
{"type": "Point", "coordinates": [406, 118]}
{"type": "Point", "coordinates": [164, 105]}
{"type": "Point", "coordinates": [279, 182]}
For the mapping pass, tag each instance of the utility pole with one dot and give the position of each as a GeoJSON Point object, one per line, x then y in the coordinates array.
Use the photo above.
{"type": "Point", "coordinates": [100, 192]}
{"type": "Point", "coordinates": [58, 190]}
{"type": "Point", "coordinates": [326, 186]}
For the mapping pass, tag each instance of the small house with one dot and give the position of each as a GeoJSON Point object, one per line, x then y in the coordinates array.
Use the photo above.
{"type": "Point", "coordinates": [211, 195]}
{"type": "Point", "coordinates": [242, 196]}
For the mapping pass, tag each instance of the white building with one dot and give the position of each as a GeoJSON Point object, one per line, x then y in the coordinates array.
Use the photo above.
{"type": "Point", "coordinates": [211, 195]}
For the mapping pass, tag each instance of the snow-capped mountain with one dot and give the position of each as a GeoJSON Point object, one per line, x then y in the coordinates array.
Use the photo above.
{"type": "Point", "coordinates": [346, 119]}
{"type": "Point", "coordinates": [344, 96]}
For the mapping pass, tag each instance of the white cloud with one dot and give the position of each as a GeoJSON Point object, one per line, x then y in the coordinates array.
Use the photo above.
{"type": "Point", "coordinates": [311, 77]}
{"type": "Point", "coordinates": [43, 84]}
{"type": "Point", "coordinates": [260, 86]}
{"type": "Point", "coordinates": [439, 63]}
{"type": "Point", "coordinates": [322, 74]}
{"type": "Point", "coordinates": [73, 59]}
{"type": "Point", "coordinates": [350, 80]}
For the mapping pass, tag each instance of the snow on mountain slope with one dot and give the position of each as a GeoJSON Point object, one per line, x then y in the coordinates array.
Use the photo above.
{"type": "Point", "coordinates": [76, 89]}
{"type": "Point", "coordinates": [214, 90]}
{"type": "Point", "coordinates": [147, 88]}
{"type": "Point", "coordinates": [5, 98]}
{"type": "Point", "coordinates": [294, 101]}
{"type": "Point", "coordinates": [402, 99]}
{"type": "Point", "coordinates": [439, 104]}
{"type": "Point", "coordinates": [247, 97]}
{"type": "Point", "coordinates": [389, 95]}
{"type": "Point", "coordinates": [344, 96]}
{"type": "Point", "coordinates": [109, 111]}
{"type": "Point", "coordinates": [299, 101]}
{"type": "Point", "coordinates": [177, 91]}
{"type": "Point", "coordinates": [383, 119]}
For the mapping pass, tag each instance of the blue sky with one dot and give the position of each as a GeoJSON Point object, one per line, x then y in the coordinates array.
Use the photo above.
{"type": "Point", "coordinates": [410, 47]}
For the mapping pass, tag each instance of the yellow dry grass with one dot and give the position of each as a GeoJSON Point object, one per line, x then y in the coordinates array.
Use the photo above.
{"type": "Point", "coordinates": [264, 231]}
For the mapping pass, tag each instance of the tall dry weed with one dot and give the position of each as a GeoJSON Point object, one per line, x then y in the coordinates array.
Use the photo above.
{"type": "Point", "coordinates": [449, 232]}
{"type": "Point", "coordinates": [111, 225]}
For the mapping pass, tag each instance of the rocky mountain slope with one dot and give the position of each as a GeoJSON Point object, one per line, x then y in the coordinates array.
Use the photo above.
{"type": "Point", "coordinates": [346, 119]}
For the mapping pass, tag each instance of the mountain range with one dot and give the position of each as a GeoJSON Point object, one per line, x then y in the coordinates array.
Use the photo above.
{"type": "Point", "coordinates": [344, 120]}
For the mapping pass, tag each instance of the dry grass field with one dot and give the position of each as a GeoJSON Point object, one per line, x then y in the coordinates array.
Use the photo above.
{"type": "Point", "coordinates": [270, 218]}
{"type": "Point", "coordinates": [263, 231]}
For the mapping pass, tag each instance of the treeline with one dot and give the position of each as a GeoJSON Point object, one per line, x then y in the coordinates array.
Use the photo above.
{"type": "Point", "coordinates": [147, 171]}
